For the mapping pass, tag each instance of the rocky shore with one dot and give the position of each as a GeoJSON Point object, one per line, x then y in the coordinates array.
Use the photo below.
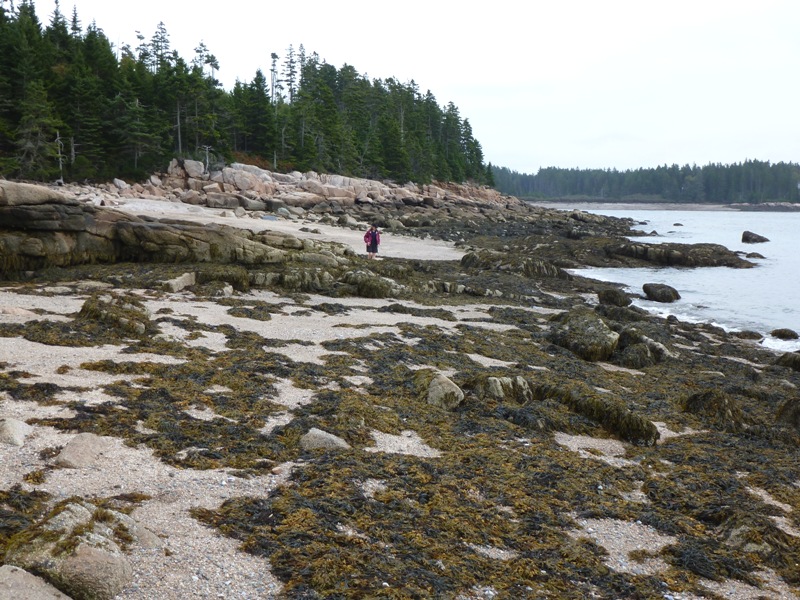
{"type": "Point", "coordinates": [208, 391]}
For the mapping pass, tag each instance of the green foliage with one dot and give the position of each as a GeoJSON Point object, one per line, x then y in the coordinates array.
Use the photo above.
{"type": "Point", "coordinates": [71, 107]}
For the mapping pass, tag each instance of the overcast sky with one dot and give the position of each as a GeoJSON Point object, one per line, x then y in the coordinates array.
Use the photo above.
{"type": "Point", "coordinates": [568, 83]}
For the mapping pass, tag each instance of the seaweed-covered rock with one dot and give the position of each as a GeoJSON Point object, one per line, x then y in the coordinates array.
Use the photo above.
{"type": "Point", "coordinates": [503, 388]}
{"type": "Point", "coordinates": [716, 408]}
{"type": "Point", "coordinates": [124, 312]}
{"type": "Point", "coordinates": [584, 333]}
{"type": "Point", "coordinates": [78, 550]}
{"type": "Point", "coordinates": [613, 297]}
{"type": "Point", "coordinates": [789, 413]}
{"type": "Point", "coordinates": [682, 255]}
{"type": "Point", "coordinates": [784, 334]}
{"type": "Point", "coordinates": [368, 284]}
{"type": "Point", "coordinates": [637, 356]}
{"type": "Point", "coordinates": [659, 292]}
{"type": "Point", "coordinates": [790, 359]}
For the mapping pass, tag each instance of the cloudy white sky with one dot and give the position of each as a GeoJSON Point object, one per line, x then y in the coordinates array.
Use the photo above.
{"type": "Point", "coordinates": [573, 83]}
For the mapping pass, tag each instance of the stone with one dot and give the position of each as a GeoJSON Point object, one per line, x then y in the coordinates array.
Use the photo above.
{"type": "Point", "coordinates": [659, 292]}
{"type": "Point", "coordinates": [316, 439]}
{"type": "Point", "coordinates": [18, 584]}
{"type": "Point", "coordinates": [613, 297]}
{"type": "Point", "coordinates": [748, 237]}
{"type": "Point", "coordinates": [442, 392]}
{"type": "Point", "coordinates": [784, 334]}
{"type": "Point", "coordinates": [584, 333]}
{"type": "Point", "coordinates": [83, 450]}
{"type": "Point", "coordinates": [181, 282]}
{"type": "Point", "coordinates": [13, 432]}
{"type": "Point", "coordinates": [194, 168]}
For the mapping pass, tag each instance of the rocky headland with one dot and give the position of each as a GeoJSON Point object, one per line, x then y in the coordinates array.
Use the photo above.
{"type": "Point", "coordinates": [208, 390]}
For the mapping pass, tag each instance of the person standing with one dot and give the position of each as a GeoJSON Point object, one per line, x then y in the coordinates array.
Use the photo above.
{"type": "Point", "coordinates": [372, 239]}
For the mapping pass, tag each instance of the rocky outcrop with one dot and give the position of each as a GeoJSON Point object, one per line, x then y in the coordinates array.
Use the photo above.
{"type": "Point", "coordinates": [748, 237]}
{"type": "Point", "coordinates": [80, 549]}
{"type": "Point", "coordinates": [659, 292]}
{"type": "Point", "coordinates": [680, 255]}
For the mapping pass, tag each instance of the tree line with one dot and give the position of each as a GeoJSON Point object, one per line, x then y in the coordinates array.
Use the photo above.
{"type": "Point", "coordinates": [752, 181]}
{"type": "Point", "coordinates": [73, 107]}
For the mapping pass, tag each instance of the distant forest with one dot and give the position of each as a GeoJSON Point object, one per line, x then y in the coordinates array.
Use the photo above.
{"type": "Point", "coordinates": [74, 107]}
{"type": "Point", "coordinates": [752, 181]}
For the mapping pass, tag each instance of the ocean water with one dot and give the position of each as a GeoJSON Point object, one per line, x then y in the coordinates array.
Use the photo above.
{"type": "Point", "coordinates": [761, 299]}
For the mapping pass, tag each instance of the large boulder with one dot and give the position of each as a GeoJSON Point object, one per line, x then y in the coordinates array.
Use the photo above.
{"type": "Point", "coordinates": [18, 194]}
{"type": "Point", "coordinates": [748, 237]}
{"type": "Point", "coordinates": [585, 333]}
{"type": "Point", "coordinates": [659, 292]}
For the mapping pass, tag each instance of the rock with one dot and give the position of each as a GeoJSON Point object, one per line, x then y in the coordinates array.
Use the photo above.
{"type": "Point", "coordinates": [584, 333]}
{"type": "Point", "coordinates": [18, 584]}
{"type": "Point", "coordinates": [221, 200]}
{"type": "Point", "coordinates": [14, 432]}
{"type": "Point", "coordinates": [789, 413]}
{"type": "Point", "coordinates": [717, 409]}
{"type": "Point", "coordinates": [76, 551]}
{"type": "Point", "coordinates": [20, 194]}
{"type": "Point", "coordinates": [613, 297]}
{"type": "Point", "coordinates": [748, 237]}
{"type": "Point", "coordinates": [636, 356]}
{"type": "Point", "coordinates": [683, 255]}
{"type": "Point", "coordinates": [181, 282]}
{"type": "Point", "coordinates": [790, 359]}
{"type": "Point", "coordinates": [120, 184]}
{"type": "Point", "coordinates": [506, 388]}
{"type": "Point", "coordinates": [194, 168]}
{"type": "Point", "coordinates": [784, 334]}
{"type": "Point", "coordinates": [442, 392]}
{"type": "Point", "coordinates": [318, 439]}
{"type": "Point", "coordinates": [83, 450]}
{"type": "Point", "coordinates": [659, 292]}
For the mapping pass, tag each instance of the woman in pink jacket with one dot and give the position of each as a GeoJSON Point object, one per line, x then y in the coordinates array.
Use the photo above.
{"type": "Point", "coordinates": [372, 239]}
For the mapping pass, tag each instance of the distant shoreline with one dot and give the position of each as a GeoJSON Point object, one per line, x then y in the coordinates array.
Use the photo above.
{"type": "Point", "coordinates": [589, 205]}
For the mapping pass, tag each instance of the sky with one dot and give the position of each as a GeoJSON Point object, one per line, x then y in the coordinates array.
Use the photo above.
{"type": "Point", "coordinates": [617, 84]}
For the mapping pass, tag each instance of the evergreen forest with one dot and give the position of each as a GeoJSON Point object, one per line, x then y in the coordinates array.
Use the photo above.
{"type": "Point", "coordinates": [73, 107]}
{"type": "Point", "coordinates": [752, 181]}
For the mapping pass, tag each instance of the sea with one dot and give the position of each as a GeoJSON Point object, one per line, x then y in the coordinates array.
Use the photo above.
{"type": "Point", "coordinates": [760, 299]}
